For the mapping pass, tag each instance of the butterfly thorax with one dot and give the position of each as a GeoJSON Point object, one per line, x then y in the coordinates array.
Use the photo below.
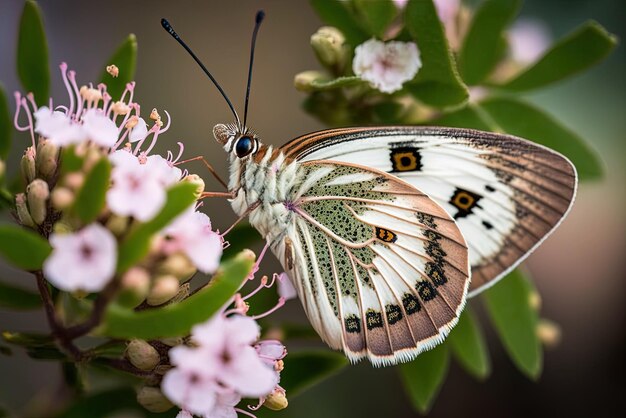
{"type": "Point", "coordinates": [262, 183]}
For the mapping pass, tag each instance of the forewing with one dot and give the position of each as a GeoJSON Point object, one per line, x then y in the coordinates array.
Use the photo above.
{"type": "Point", "coordinates": [506, 194]}
{"type": "Point", "coordinates": [381, 269]}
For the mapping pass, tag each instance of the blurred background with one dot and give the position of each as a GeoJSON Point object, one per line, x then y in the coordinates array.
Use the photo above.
{"type": "Point", "coordinates": [580, 270]}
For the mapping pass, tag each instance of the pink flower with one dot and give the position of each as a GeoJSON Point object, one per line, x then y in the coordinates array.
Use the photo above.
{"type": "Point", "coordinates": [184, 414]}
{"type": "Point", "coordinates": [191, 234]}
{"type": "Point", "coordinates": [84, 260]}
{"type": "Point", "coordinates": [285, 287]}
{"type": "Point", "coordinates": [270, 351]}
{"type": "Point", "coordinates": [386, 66]}
{"type": "Point", "coordinates": [528, 40]}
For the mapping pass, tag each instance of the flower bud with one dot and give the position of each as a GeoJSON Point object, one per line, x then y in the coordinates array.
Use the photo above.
{"type": "Point", "coordinates": [276, 400]}
{"type": "Point", "coordinates": [153, 399]}
{"type": "Point", "coordinates": [304, 81]}
{"type": "Point", "coordinates": [38, 193]}
{"type": "Point", "coordinates": [163, 289]}
{"type": "Point", "coordinates": [74, 180]}
{"type": "Point", "coordinates": [62, 227]}
{"type": "Point", "coordinates": [534, 300]}
{"type": "Point", "coordinates": [178, 265]}
{"type": "Point", "coordinates": [117, 224]}
{"type": "Point", "coordinates": [549, 333]}
{"type": "Point", "coordinates": [22, 210]}
{"type": "Point", "coordinates": [172, 341]}
{"type": "Point", "coordinates": [27, 165]}
{"type": "Point", "coordinates": [135, 285]}
{"type": "Point", "coordinates": [328, 44]}
{"type": "Point", "coordinates": [47, 158]}
{"type": "Point", "coordinates": [197, 181]}
{"type": "Point", "coordinates": [142, 355]}
{"type": "Point", "coordinates": [62, 198]}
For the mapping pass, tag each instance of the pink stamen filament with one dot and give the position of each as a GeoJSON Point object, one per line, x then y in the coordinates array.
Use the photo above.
{"type": "Point", "coordinates": [281, 302]}
{"type": "Point", "coordinates": [245, 412]}
{"type": "Point", "coordinates": [263, 284]}
{"type": "Point", "coordinates": [63, 67]}
{"type": "Point", "coordinates": [71, 75]}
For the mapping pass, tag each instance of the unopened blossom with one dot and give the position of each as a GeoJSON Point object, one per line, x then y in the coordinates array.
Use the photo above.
{"type": "Point", "coordinates": [84, 260]}
{"type": "Point", "coordinates": [528, 40]}
{"type": "Point", "coordinates": [386, 66]}
{"type": "Point", "coordinates": [191, 234]}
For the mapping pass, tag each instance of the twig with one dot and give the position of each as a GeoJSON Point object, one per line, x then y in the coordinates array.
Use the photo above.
{"type": "Point", "coordinates": [99, 307]}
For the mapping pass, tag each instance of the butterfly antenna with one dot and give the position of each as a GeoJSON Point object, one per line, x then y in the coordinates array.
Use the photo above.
{"type": "Point", "coordinates": [258, 20]}
{"type": "Point", "coordinates": [166, 25]}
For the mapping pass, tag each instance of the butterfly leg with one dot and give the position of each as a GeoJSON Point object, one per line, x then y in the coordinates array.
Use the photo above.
{"type": "Point", "coordinates": [208, 166]}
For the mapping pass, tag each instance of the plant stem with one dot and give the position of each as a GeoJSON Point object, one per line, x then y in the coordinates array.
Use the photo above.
{"type": "Point", "coordinates": [99, 307]}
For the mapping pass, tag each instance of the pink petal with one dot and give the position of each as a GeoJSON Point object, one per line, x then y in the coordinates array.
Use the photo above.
{"type": "Point", "coordinates": [248, 375]}
{"type": "Point", "coordinates": [205, 252]}
{"type": "Point", "coordinates": [285, 287]}
{"type": "Point", "coordinates": [271, 350]}
{"type": "Point", "coordinates": [190, 391]}
{"type": "Point", "coordinates": [139, 132]}
{"type": "Point", "coordinates": [242, 330]}
{"type": "Point", "coordinates": [99, 128]}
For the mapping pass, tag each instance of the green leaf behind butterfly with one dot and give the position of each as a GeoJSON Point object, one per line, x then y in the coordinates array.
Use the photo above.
{"type": "Point", "coordinates": [375, 15]}
{"type": "Point", "coordinates": [125, 57]}
{"type": "Point", "coordinates": [508, 305]}
{"type": "Point", "coordinates": [424, 376]}
{"type": "Point", "coordinates": [527, 121]}
{"type": "Point", "coordinates": [137, 244]}
{"type": "Point", "coordinates": [242, 236]}
{"type": "Point", "coordinates": [437, 83]}
{"type": "Point", "coordinates": [6, 125]}
{"type": "Point", "coordinates": [305, 369]}
{"type": "Point", "coordinates": [91, 197]}
{"type": "Point", "coordinates": [17, 298]}
{"type": "Point", "coordinates": [468, 117]}
{"type": "Point", "coordinates": [585, 47]}
{"type": "Point", "coordinates": [22, 247]}
{"type": "Point", "coordinates": [335, 13]}
{"type": "Point", "coordinates": [468, 345]}
{"type": "Point", "coordinates": [32, 54]}
{"type": "Point", "coordinates": [177, 319]}
{"type": "Point", "coordinates": [484, 43]}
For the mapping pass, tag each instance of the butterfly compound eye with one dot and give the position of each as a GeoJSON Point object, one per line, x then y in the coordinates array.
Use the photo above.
{"type": "Point", "coordinates": [244, 146]}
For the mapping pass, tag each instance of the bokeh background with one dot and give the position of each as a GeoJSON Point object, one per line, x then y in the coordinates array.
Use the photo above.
{"type": "Point", "coordinates": [580, 271]}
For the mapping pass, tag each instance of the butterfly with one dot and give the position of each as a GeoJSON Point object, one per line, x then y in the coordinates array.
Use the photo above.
{"type": "Point", "coordinates": [381, 228]}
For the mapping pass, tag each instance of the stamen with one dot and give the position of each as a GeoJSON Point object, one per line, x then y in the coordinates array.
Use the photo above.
{"type": "Point", "coordinates": [245, 412]}
{"type": "Point", "coordinates": [71, 75]}
{"type": "Point", "coordinates": [63, 67]}
{"type": "Point", "coordinates": [263, 284]}
{"type": "Point", "coordinates": [280, 304]}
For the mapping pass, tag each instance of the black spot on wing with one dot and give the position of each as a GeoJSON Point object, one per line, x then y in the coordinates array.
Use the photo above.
{"type": "Point", "coordinates": [405, 158]}
{"type": "Point", "coordinates": [464, 201]}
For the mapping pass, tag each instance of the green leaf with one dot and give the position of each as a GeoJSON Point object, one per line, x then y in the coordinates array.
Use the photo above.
{"type": "Point", "coordinates": [468, 346]}
{"type": "Point", "coordinates": [585, 47]}
{"type": "Point", "coordinates": [242, 236]}
{"type": "Point", "coordinates": [125, 58]}
{"type": "Point", "coordinates": [522, 119]}
{"type": "Point", "coordinates": [137, 244]}
{"type": "Point", "coordinates": [28, 339]}
{"type": "Point", "coordinates": [32, 54]}
{"type": "Point", "coordinates": [323, 84]}
{"type": "Point", "coordinates": [17, 298]}
{"type": "Point", "coordinates": [335, 13]}
{"type": "Point", "coordinates": [376, 15]}
{"type": "Point", "coordinates": [177, 319]}
{"type": "Point", "coordinates": [483, 45]}
{"type": "Point", "coordinates": [91, 197]}
{"type": "Point", "coordinates": [437, 83]}
{"type": "Point", "coordinates": [424, 376]}
{"type": "Point", "coordinates": [468, 117]}
{"type": "Point", "coordinates": [508, 305]}
{"type": "Point", "coordinates": [304, 369]}
{"type": "Point", "coordinates": [23, 248]}
{"type": "Point", "coordinates": [6, 125]}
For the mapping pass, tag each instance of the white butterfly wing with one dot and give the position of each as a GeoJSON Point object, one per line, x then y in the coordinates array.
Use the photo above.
{"type": "Point", "coordinates": [506, 194]}
{"type": "Point", "coordinates": [380, 268]}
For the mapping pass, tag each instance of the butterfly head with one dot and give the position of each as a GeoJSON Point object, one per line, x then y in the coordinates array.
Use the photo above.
{"type": "Point", "coordinates": [239, 143]}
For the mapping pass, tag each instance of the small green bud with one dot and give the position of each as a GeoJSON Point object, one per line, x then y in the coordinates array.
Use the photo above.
{"type": "Point", "coordinates": [328, 44]}
{"type": "Point", "coordinates": [153, 399]}
{"type": "Point", "coordinates": [197, 181]}
{"type": "Point", "coordinates": [22, 210]}
{"type": "Point", "coordinates": [47, 159]}
{"type": "Point", "coordinates": [172, 341]}
{"type": "Point", "coordinates": [178, 265]}
{"type": "Point", "coordinates": [62, 227]}
{"type": "Point", "coordinates": [27, 165]}
{"type": "Point", "coordinates": [163, 289]}
{"type": "Point", "coordinates": [276, 400]}
{"type": "Point", "coordinates": [142, 355]}
{"type": "Point", "coordinates": [38, 194]}
{"type": "Point", "coordinates": [304, 81]}
{"type": "Point", "coordinates": [62, 198]}
{"type": "Point", "coordinates": [135, 285]}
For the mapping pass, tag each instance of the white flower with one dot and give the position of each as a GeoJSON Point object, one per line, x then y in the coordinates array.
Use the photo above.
{"type": "Point", "coordinates": [139, 131]}
{"type": "Point", "coordinates": [99, 128]}
{"type": "Point", "coordinates": [528, 40]}
{"type": "Point", "coordinates": [57, 127]}
{"type": "Point", "coordinates": [163, 171]}
{"type": "Point", "coordinates": [135, 191]}
{"type": "Point", "coordinates": [191, 234]}
{"type": "Point", "coordinates": [386, 65]}
{"type": "Point", "coordinates": [84, 260]}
